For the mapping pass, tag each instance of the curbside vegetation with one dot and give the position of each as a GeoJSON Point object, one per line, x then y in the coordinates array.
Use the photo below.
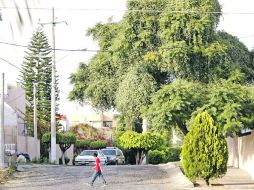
{"type": "Point", "coordinates": [5, 174]}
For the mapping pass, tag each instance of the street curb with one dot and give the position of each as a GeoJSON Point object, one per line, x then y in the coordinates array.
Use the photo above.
{"type": "Point", "coordinates": [176, 175]}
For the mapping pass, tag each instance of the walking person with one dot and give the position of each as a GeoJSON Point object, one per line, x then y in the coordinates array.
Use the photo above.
{"type": "Point", "coordinates": [98, 171]}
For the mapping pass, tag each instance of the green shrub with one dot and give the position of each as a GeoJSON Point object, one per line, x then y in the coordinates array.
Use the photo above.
{"type": "Point", "coordinates": [173, 154]}
{"type": "Point", "coordinates": [61, 138]}
{"type": "Point", "coordinates": [82, 143]}
{"type": "Point", "coordinates": [205, 152]}
{"type": "Point", "coordinates": [98, 144]}
{"type": "Point", "coordinates": [156, 156]}
{"type": "Point", "coordinates": [65, 138]}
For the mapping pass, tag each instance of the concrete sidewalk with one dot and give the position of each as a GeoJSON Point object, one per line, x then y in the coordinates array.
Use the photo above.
{"type": "Point", "coordinates": [236, 179]}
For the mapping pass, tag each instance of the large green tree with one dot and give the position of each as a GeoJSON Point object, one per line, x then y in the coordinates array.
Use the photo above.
{"type": "Point", "coordinates": [178, 42]}
{"type": "Point", "coordinates": [134, 93]}
{"type": "Point", "coordinates": [36, 70]}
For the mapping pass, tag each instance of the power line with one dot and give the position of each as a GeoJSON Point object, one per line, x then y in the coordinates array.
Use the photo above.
{"type": "Point", "coordinates": [10, 63]}
{"type": "Point", "coordinates": [249, 36]}
{"type": "Point", "coordinates": [20, 70]}
{"type": "Point", "coordinates": [133, 10]}
{"type": "Point", "coordinates": [83, 50]}
{"type": "Point", "coordinates": [57, 49]}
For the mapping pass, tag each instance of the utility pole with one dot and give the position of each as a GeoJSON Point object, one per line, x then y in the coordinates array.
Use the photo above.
{"type": "Point", "coordinates": [53, 90]}
{"type": "Point", "coordinates": [35, 113]}
{"type": "Point", "coordinates": [2, 153]}
{"type": "Point", "coordinates": [53, 95]}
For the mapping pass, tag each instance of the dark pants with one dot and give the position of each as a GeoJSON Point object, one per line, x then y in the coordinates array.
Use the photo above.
{"type": "Point", "coordinates": [96, 174]}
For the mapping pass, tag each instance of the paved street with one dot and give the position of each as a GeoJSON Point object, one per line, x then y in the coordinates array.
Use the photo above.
{"type": "Point", "coordinates": [145, 177]}
{"type": "Point", "coordinates": [75, 177]}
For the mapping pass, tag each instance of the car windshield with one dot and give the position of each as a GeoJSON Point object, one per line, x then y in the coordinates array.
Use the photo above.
{"type": "Point", "coordinates": [87, 153]}
{"type": "Point", "coordinates": [109, 152]}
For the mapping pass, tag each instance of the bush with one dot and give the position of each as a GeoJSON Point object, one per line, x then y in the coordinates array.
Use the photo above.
{"type": "Point", "coordinates": [174, 154]}
{"type": "Point", "coordinates": [67, 160]}
{"type": "Point", "coordinates": [82, 143]}
{"type": "Point", "coordinates": [205, 152]}
{"type": "Point", "coordinates": [156, 156]}
{"type": "Point", "coordinates": [61, 138]}
{"type": "Point", "coordinates": [98, 144]}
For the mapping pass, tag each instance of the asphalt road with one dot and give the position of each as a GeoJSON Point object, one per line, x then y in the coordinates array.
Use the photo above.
{"type": "Point", "coordinates": [124, 177]}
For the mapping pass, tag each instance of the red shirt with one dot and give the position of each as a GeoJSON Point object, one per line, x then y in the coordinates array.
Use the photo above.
{"type": "Point", "coordinates": [97, 164]}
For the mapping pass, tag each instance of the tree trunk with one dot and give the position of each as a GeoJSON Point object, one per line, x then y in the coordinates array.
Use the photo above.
{"type": "Point", "coordinates": [144, 125]}
{"type": "Point", "coordinates": [137, 158]}
{"type": "Point", "coordinates": [207, 182]}
{"type": "Point", "coordinates": [143, 159]}
{"type": "Point", "coordinates": [182, 127]}
{"type": "Point", "coordinates": [63, 160]}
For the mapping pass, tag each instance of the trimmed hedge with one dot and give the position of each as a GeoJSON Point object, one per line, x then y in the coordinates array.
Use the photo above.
{"type": "Point", "coordinates": [94, 144]}
{"type": "Point", "coordinates": [174, 154]}
{"type": "Point", "coordinates": [82, 143]}
{"type": "Point", "coordinates": [156, 156]}
{"type": "Point", "coordinates": [98, 144]}
{"type": "Point", "coordinates": [61, 138]}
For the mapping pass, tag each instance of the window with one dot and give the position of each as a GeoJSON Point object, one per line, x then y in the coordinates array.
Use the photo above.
{"type": "Point", "coordinates": [109, 152]}
{"type": "Point", "coordinates": [245, 132]}
{"type": "Point", "coordinates": [107, 123]}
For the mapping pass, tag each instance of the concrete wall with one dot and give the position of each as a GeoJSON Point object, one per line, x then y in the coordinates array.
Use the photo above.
{"type": "Point", "coordinates": [29, 145]}
{"type": "Point", "coordinates": [16, 100]}
{"type": "Point", "coordinates": [241, 153]}
{"type": "Point", "coordinates": [68, 154]}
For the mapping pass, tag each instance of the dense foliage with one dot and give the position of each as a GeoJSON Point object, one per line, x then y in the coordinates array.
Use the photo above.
{"type": "Point", "coordinates": [85, 131]}
{"type": "Point", "coordinates": [204, 153]}
{"type": "Point", "coordinates": [156, 156]}
{"type": "Point", "coordinates": [146, 50]}
{"type": "Point", "coordinates": [98, 144]}
{"type": "Point", "coordinates": [173, 154]}
{"type": "Point", "coordinates": [133, 93]}
{"type": "Point", "coordinates": [173, 104]}
{"type": "Point", "coordinates": [229, 102]}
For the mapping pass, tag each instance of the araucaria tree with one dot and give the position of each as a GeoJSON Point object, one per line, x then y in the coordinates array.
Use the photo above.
{"type": "Point", "coordinates": [36, 70]}
{"type": "Point", "coordinates": [204, 153]}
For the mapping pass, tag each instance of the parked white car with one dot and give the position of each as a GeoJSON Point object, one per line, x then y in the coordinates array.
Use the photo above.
{"type": "Point", "coordinates": [86, 157]}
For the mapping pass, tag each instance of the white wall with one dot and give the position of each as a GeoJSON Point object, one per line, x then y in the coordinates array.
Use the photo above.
{"type": "Point", "coordinates": [29, 145]}
{"type": "Point", "coordinates": [241, 153]}
{"type": "Point", "coordinates": [68, 153]}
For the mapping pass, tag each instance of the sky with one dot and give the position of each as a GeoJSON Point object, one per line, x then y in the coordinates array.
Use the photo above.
{"type": "Point", "coordinates": [73, 35]}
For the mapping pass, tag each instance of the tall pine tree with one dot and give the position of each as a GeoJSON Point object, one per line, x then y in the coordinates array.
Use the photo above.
{"type": "Point", "coordinates": [36, 69]}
